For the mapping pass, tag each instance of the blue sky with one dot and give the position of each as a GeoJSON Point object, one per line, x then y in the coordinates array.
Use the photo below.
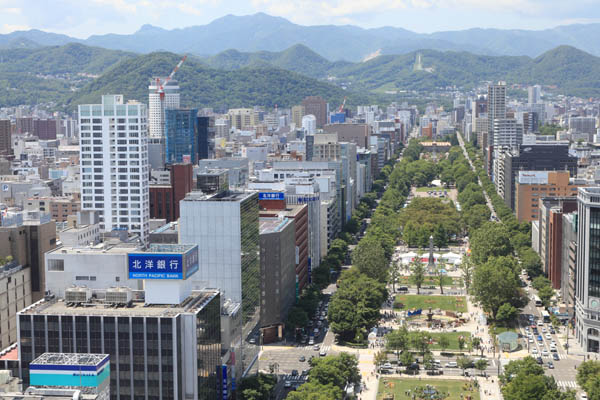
{"type": "Point", "coordinates": [82, 18]}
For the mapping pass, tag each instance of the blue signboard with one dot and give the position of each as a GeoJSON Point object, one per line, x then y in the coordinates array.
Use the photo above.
{"type": "Point", "coordinates": [156, 266]}
{"type": "Point", "coordinates": [224, 382]}
{"type": "Point", "coordinates": [271, 195]}
{"type": "Point", "coordinates": [191, 262]}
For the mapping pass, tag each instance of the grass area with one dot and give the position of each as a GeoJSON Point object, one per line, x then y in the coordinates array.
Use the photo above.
{"type": "Point", "coordinates": [501, 329]}
{"type": "Point", "coordinates": [456, 389]}
{"type": "Point", "coordinates": [452, 338]}
{"type": "Point", "coordinates": [431, 189]}
{"type": "Point", "coordinates": [431, 281]}
{"type": "Point", "coordinates": [446, 303]}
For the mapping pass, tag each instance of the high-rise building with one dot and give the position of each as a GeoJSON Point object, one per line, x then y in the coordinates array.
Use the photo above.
{"type": "Point", "coordinates": [316, 106]}
{"type": "Point", "coordinates": [15, 295]}
{"type": "Point", "coordinates": [226, 229]}
{"type": "Point", "coordinates": [507, 133]}
{"type": "Point", "coordinates": [45, 129]}
{"type": "Point", "coordinates": [309, 124]}
{"type": "Point", "coordinates": [534, 94]}
{"type": "Point", "coordinates": [165, 198]}
{"type": "Point", "coordinates": [158, 103]}
{"type": "Point", "coordinates": [587, 292]}
{"type": "Point", "coordinates": [114, 164]}
{"type": "Point", "coordinates": [181, 136]}
{"type": "Point", "coordinates": [496, 106]}
{"type": "Point", "coordinates": [5, 137]}
{"type": "Point", "coordinates": [583, 125]}
{"type": "Point", "coordinates": [297, 113]}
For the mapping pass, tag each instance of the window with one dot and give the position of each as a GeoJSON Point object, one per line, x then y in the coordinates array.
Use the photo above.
{"type": "Point", "coordinates": [56, 265]}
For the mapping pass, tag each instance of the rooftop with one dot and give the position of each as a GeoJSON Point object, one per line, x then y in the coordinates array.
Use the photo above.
{"type": "Point", "coordinates": [194, 302]}
{"type": "Point", "coordinates": [197, 195]}
{"type": "Point", "coordinates": [104, 247]}
{"type": "Point", "coordinates": [272, 224]}
{"type": "Point", "coordinates": [70, 359]}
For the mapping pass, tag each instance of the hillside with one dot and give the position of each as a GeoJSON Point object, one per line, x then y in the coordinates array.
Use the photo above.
{"type": "Point", "coordinates": [202, 86]}
{"type": "Point", "coordinates": [262, 32]}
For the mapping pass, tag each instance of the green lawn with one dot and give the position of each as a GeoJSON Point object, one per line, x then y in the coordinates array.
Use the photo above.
{"type": "Point", "coordinates": [398, 387]}
{"type": "Point", "coordinates": [452, 337]}
{"type": "Point", "coordinates": [446, 303]}
{"type": "Point", "coordinates": [431, 189]}
{"type": "Point", "coordinates": [431, 281]}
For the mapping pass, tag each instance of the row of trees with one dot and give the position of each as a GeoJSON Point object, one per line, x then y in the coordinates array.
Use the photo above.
{"type": "Point", "coordinates": [525, 379]}
{"type": "Point", "coordinates": [588, 377]}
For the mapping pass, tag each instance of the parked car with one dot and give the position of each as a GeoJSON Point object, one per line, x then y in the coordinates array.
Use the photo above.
{"type": "Point", "coordinates": [451, 364]}
{"type": "Point", "coordinates": [555, 357]}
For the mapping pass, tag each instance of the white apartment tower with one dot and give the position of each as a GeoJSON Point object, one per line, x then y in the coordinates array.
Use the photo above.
{"type": "Point", "coordinates": [157, 107]}
{"type": "Point", "coordinates": [496, 107]}
{"type": "Point", "coordinates": [114, 164]}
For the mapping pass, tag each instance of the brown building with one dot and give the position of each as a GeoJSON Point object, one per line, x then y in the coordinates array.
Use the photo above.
{"type": "Point", "coordinates": [5, 136]}
{"type": "Point", "coordinates": [59, 208]}
{"type": "Point", "coordinates": [316, 106]}
{"type": "Point", "coordinates": [164, 199]}
{"type": "Point", "coordinates": [15, 295]}
{"type": "Point", "coordinates": [27, 241]}
{"type": "Point", "coordinates": [359, 134]}
{"type": "Point", "coordinates": [533, 185]}
{"type": "Point", "coordinates": [25, 125]}
{"type": "Point", "coordinates": [299, 213]}
{"type": "Point", "coordinates": [45, 129]}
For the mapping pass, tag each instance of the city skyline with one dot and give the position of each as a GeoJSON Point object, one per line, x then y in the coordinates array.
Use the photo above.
{"type": "Point", "coordinates": [423, 16]}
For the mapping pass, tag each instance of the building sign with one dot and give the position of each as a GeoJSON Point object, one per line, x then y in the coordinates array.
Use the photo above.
{"type": "Point", "coordinates": [155, 266]}
{"type": "Point", "coordinates": [271, 195]}
{"type": "Point", "coordinates": [307, 199]}
{"type": "Point", "coordinates": [224, 382]}
{"type": "Point", "coordinates": [533, 177]}
{"type": "Point", "coordinates": [70, 375]}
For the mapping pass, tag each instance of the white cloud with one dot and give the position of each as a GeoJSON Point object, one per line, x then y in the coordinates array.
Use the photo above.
{"type": "Point", "coordinates": [10, 10]}
{"type": "Point", "coordinates": [8, 28]}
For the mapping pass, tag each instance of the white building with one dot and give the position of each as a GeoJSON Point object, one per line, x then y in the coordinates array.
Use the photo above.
{"type": "Point", "coordinates": [157, 107]}
{"type": "Point", "coordinates": [309, 124]}
{"type": "Point", "coordinates": [114, 164]}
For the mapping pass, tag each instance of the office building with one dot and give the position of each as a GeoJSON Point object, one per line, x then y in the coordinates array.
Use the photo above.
{"type": "Point", "coordinates": [496, 106]}
{"type": "Point", "coordinates": [309, 124]}
{"type": "Point", "coordinates": [161, 97]}
{"type": "Point", "coordinates": [27, 236]}
{"type": "Point", "coordinates": [181, 136]}
{"type": "Point", "coordinates": [569, 261]}
{"type": "Point", "coordinates": [297, 113]}
{"type": "Point", "coordinates": [315, 105]}
{"type": "Point", "coordinates": [243, 118]}
{"type": "Point", "coordinates": [226, 229]}
{"type": "Point", "coordinates": [169, 351]}
{"type": "Point", "coordinates": [45, 129]}
{"type": "Point", "coordinates": [538, 157]}
{"type": "Point", "coordinates": [59, 208]}
{"type": "Point", "coordinates": [587, 293]}
{"type": "Point", "coordinates": [212, 181]}
{"type": "Point", "coordinates": [5, 137]}
{"type": "Point", "coordinates": [237, 168]}
{"type": "Point", "coordinates": [114, 164]}
{"type": "Point", "coordinates": [531, 186]}
{"type": "Point", "coordinates": [507, 133]}
{"type": "Point", "coordinates": [585, 125]}
{"type": "Point", "coordinates": [534, 94]}
{"type": "Point", "coordinates": [15, 295]}
{"type": "Point", "coordinates": [324, 147]}
{"type": "Point", "coordinates": [206, 137]}
{"type": "Point", "coordinates": [278, 284]}
{"type": "Point", "coordinates": [165, 197]}
{"type": "Point", "coordinates": [359, 134]}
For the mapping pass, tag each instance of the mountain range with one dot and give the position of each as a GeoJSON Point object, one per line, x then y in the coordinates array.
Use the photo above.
{"type": "Point", "coordinates": [262, 32]}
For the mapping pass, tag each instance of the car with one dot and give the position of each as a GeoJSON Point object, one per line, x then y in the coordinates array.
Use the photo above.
{"type": "Point", "coordinates": [534, 350]}
{"type": "Point", "coordinates": [320, 323]}
{"type": "Point", "coordinates": [555, 357]}
{"type": "Point", "coordinates": [316, 331]}
{"type": "Point", "coordinates": [387, 365]}
{"type": "Point", "coordinates": [294, 372]}
{"type": "Point", "coordinates": [530, 335]}
{"type": "Point", "coordinates": [540, 322]}
{"type": "Point", "coordinates": [304, 372]}
{"type": "Point", "coordinates": [310, 324]}
{"type": "Point", "coordinates": [539, 360]}
{"type": "Point", "coordinates": [548, 336]}
{"type": "Point", "coordinates": [530, 340]}
{"type": "Point", "coordinates": [543, 329]}
{"type": "Point", "coordinates": [451, 364]}
{"type": "Point", "coordinates": [252, 341]}
{"type": "Point", "coordinates": [527, 328]}
{"type": "Point", "coordinates": [550, 365]}
{"type": "Point", "coordinates": [302, 359]}
{"type": "Point", "coordinates": [583, 396]}
{"type": "Point", "coordinates": [552, 331]}
{"type": "Point", "coordinates": [545, 353]}
{"type": "Point", "coordinates": [540, 339]}
{"type": "Point", "coordinates": [311, 341]}
{"type": "Point", "coordinates": [413, 367]}
{"type": "Point", "coordinates": [287, 384]}
{"type": "Point", "coordinates": [322, 353]}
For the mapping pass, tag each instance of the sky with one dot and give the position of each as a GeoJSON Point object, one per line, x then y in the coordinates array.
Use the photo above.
{"type": "Point", "coordinates": [82, 18]}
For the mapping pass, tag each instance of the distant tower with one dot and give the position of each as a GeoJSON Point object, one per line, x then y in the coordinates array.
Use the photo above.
{"type": "Point", "coordinates": [431, 262]}
{"type": "Point", "coordinates": [418, 63]}
{"type": "Point", "coordinates": [157, 107]}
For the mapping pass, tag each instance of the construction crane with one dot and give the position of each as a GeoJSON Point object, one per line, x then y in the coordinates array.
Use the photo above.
{"type": "Point", "coordinates": [343, 105]}
{"type": "Point", "coordinates": [160, 85]}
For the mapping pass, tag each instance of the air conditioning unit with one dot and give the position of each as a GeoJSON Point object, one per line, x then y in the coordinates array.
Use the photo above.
{"type": "Point", "coordinates": [78, 295]}
{"type": "Point", "coordinates": [119, 295]}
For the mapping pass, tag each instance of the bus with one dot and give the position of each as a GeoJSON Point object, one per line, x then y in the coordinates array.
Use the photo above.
{"type": "Point", "coordinates": [538, 302]}
{"type": "Point", "coordinates": [545, 316]}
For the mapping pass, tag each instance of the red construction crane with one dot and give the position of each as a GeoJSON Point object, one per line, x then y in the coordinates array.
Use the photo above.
{"type": "Point", "coordinates": [343, 105]}
{"type": "Point", "coordinates": [159, 84]}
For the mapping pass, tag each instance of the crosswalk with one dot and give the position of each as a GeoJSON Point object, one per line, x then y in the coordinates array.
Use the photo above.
{"type": "Point", "coordinates": [321, 348]}
{"type": "Point", "coordinates": [567, 384]}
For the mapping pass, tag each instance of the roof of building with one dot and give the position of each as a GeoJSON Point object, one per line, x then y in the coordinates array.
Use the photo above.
{"type": "Point", "coordinates": [106, 247]}
{"type": "Point", "coordinates": [272, 224]}
{"type": "Point", "coordinates": [194, 302]}
{"type": "Point", "coordinates": [87, 359]}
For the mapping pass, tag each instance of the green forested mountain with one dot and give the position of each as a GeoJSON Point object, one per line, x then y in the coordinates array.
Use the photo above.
{"type": "Point", "coordinates": [204, 86]}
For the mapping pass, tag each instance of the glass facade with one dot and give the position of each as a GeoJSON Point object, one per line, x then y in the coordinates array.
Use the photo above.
{"type": "Point", "coordinates": [181, 135]}
{"type": "Point", "coordinates": [594, 252]}
{"type": "Point", "coordinates": [208, 347]}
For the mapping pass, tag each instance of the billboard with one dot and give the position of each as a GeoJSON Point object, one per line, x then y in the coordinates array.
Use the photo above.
{"type": "Point", "coordinates": [163, 265]}
{"type": "Point", "coordinates": [271, 195]}
{"type": "Point", "coordinates": [533, 177]}
{"type": "Point", "coordinates": [70, 375]}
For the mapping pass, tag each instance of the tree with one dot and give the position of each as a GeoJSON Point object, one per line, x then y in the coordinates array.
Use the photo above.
{"type": "Point", "coordinates": [481, 365]}
{"type": "Point", "coordinates": [380, 358]}
{"type": "Point", "coordinates": [461, 342]}
{"type": "Point", "coordinates": [464, 362]}
{"type": "Point", "coordinates": [406, 358]}
{"type": "Point", "coordinates": [420, 342]}
{"type": "Point", "coordinates": [418, 273]}
{"type": "Point", "coordinates": [476, 216]}
{"type": "Point", "coordinates": [528, 387]}
{"type": "Point", "coordinates": [257, 387]}
{"type": "Point", "coordinates": [394, 276]}
{"type": "Point", "coordinates": [506, 314]}
{"type": "Point", "coordinates": [592, 387]}
{"type": "Point", "coordinates": [369, 257]}
{"type": "Point", "coordinates": [315, 391]}
{"type": "Point", "coordinates": [491, 240]}
{"type": "Point", "coordinates": [539, 282]}
{"type": "Point", "coordinates": [525, 366]}
{"type": "Point", "coordinates": [440, 274]}
{"type": "Point", "coordinates": [466, 268]}
{"type": "Point", "coordinates": [297, 318]}
{"type": "Point", "coordinates": [440, 236]}
{"type": "Point", "coordinates": [546, 293]}
{"type": "Point", "coordinates": [531, 262]}
{"type": "Point", "coordinates": [428, 361]}
{"type": "Point", "coordinates": [443, 342]}
{"type": "Point", "coordinates": [495, 282]}
{"type": "Point", "coordinates": [476, 343]}
{"type": "Point", "coordinates": [586, 371]}
{"type": "Point", "coordinates": [335, 370]}
{"type": "Point", "coordinates": [397, 340]}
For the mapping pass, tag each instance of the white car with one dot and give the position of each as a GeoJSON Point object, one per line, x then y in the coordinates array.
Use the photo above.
{"type": "Point", "coordinates": [534, 350]}
{"type": "Point", "coordinates": [543, 329]}
{"type": "Point", "coordinates": [545, 353]}
{"type": "Point", "coordinates": [451, 364]}
{"type": "Point", "coordinates": [548, 336]}
{"type": "Point", "coordinates": [530, 339]}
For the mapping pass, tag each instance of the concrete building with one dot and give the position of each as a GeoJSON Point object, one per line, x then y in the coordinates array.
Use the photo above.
{"type": "Point", "coordinates": [496, 106]}
{"type": "Point", "coordinates": [59, 208]}
{"type": "Point", "coordinates": [278, 283]}
{"type": "Point", "coordinates": [569, 261]}
{"type": "Point", "coordinates": [114, 164]}
{"type": "Point", "coordinates": [243, 118]}
{"type": "Point", "coordinates": [325, 147]}
{"type": "Point", "coordinates": [534, 185]}
{"type": "Point", "coordinates": [309, 124]}
{"type": "Point", "coordinates": [15, 295]}
{"type": "Point", "coordinates": [5, 137]}
{"type": "Point", "coordinates": [159, 102]}
{"type": "Point", "coordinates": [359, 134]}
{"type": "Point", "coordinates": [297, 113]}
{"type": "Point", "coordinates": [237, 168]}
{"type": "Point", "coordinates": [315, 105]}
{"type": "Point", "coordinates": [165, 197]}
{"type": "Point", "coordinates": [534, 94]}
{"type": "Point", "coordinates": [170, 351]}
{"type": "Point", "coordinates": [507, 132]}
{"type": "Point", "coordinates": [27, 236]}
{"type": "Point", "coordinates": [587, 293]}
{"type": "Point", "coordinates": [585, 125]}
